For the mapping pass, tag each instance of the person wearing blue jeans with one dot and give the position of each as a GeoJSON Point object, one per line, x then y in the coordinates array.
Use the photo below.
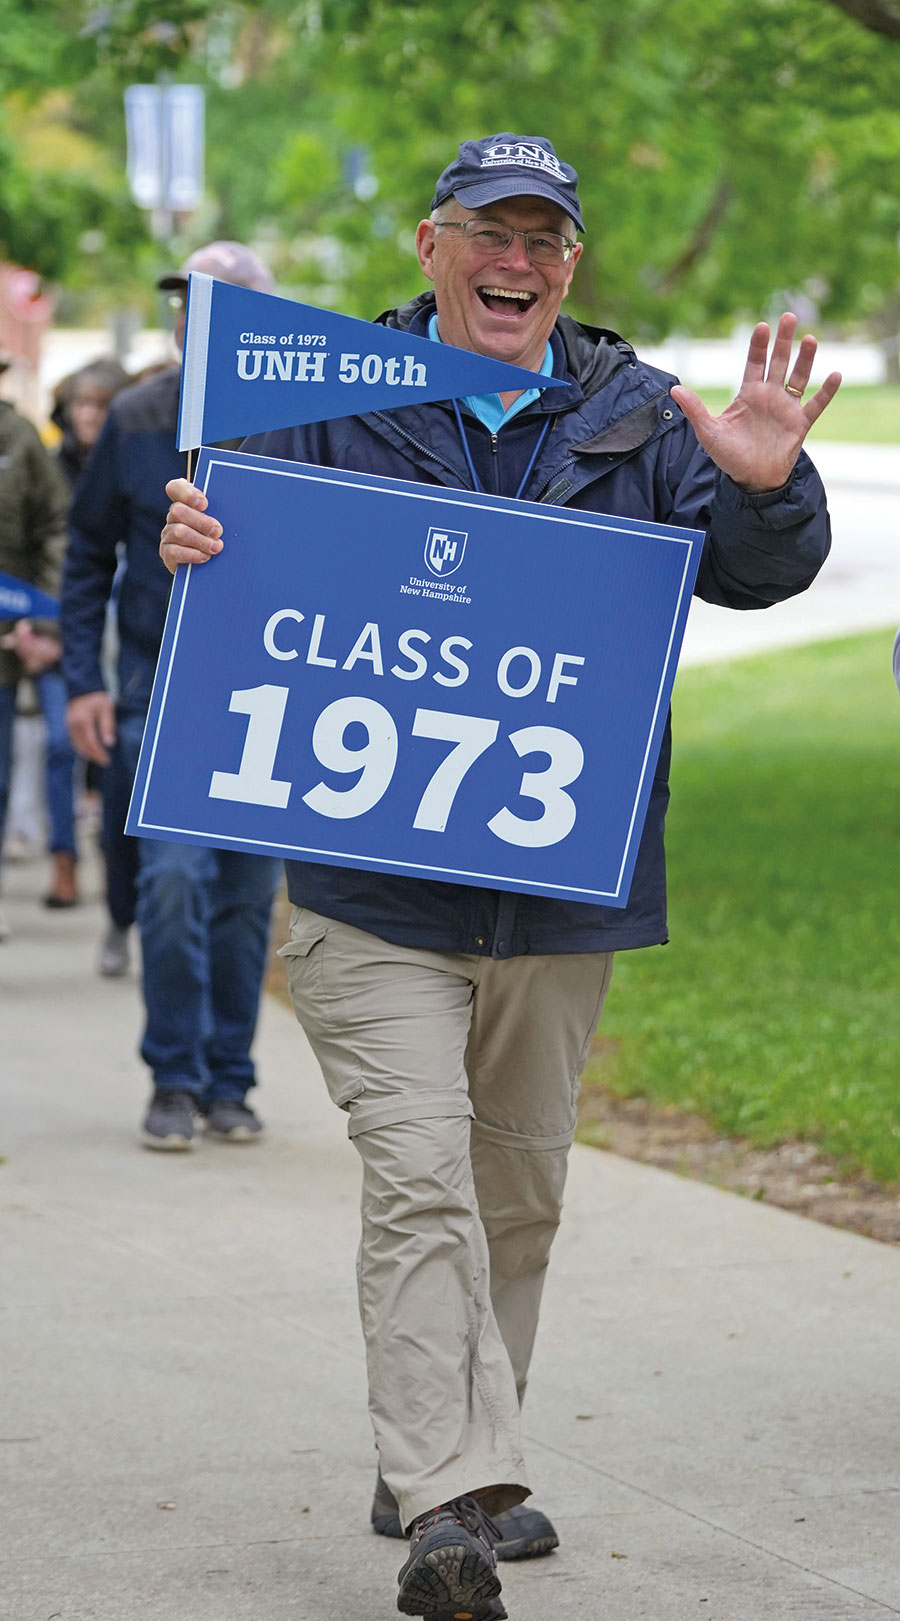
{"type": "Point", "coordinates": [120, 857]}
{"type": "Point", "coordinates": [203, 917]}
{"type": "Point", "coordinates": [82, 401]}
{"type": "Point", "coordinates": [202, 914]}
{"type": "Point", "coordinates": [59, 765]}
{"type": "Point", "coordinates": [32, 542]}
{"type": "Point", "coordinates": [59, 776]}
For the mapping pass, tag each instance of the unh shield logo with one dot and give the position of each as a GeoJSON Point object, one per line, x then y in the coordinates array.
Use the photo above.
{"type": "Point", "coordinates": [445, 550]}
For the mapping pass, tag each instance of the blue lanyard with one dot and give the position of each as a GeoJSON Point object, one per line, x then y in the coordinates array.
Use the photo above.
{"type": "Point", "coordinates": [476, 481]}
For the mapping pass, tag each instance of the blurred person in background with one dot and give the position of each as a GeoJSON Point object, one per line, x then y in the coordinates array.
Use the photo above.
{"type": "Point", "coordinates": [82, 402]}
{"type": "Point", "coordinates": [32, 544]}
{"type": "Point", "coordinates": [25, 832]}
{"type": "Point", "coordinates": [203, 914]}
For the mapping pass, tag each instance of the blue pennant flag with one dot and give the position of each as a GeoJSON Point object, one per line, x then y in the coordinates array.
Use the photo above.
{"type": "Point", "coordinates": [19, 600]}
{"type": "Point", "coordinates": [253, 362]}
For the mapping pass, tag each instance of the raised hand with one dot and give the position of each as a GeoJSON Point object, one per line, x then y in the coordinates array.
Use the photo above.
{"type": "Point", "coordinates": [757, 439]}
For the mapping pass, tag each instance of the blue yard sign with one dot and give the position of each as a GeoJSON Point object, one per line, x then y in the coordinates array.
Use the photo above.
{"type": "Point", "coordinates": [425, 682]}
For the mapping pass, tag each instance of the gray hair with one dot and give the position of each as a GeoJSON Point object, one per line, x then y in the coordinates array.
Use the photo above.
{"type": "Point", "coordinates": [447, 210]}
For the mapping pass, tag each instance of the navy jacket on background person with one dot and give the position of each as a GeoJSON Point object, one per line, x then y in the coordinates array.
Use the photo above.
{"type": "Point", "coordinates": [618, 444]}
{"type": "Point", "coordinates": [123, 500]}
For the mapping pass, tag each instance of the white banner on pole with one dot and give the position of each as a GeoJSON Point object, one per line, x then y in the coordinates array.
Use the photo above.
{"type": "Point", "coordinates": [165, 132]}
{"type": "Point", "coordinates": [143, 125]}
{"type": "Point", "coordinates": [184, 139]}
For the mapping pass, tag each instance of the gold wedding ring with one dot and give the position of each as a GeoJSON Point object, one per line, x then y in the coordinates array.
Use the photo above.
{"type": "Point", "coordinates": [797, 392]}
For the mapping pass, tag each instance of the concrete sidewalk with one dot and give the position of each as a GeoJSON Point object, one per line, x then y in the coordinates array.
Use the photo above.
{"type": "Point", "coordinates": [712, 1421]}
{"type": "Point", "coordinates": [857, 590]}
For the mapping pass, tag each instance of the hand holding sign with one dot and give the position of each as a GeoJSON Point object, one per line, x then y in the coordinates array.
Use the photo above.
{"type": "Point", "coordinates": [191, 534]}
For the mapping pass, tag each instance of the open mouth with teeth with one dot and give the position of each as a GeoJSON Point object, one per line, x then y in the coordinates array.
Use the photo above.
{"type": "Point", "coordinates": [506, 300]}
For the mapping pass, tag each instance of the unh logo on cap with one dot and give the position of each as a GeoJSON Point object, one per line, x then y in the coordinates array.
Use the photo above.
{"type": "Point", "coordinates": [445, 550]}
{"type": "Point", "coordinates": [524, 156]}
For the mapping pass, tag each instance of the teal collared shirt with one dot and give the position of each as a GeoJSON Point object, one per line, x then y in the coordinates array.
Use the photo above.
{"type": "Point", "coordinates": [489, 407]}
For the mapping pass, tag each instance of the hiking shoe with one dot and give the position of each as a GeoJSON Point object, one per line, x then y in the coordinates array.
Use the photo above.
{"type": "Point", "coordinates": [451, 1572]}
{"type": "Point", "coordinates": [385, 1514]}
{"type": "Point", "coordinates": [232, 1121]}
{"type": "Point", "coordinates": [113, 959]}
{"type": "Point", "coordinates": [524, 1533]}
{"type": "Point", "coordinates": [169, 1121]}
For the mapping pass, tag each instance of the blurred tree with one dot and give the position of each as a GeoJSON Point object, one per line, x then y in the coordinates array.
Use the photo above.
{"type": "Point", "coordinates": [732, 152]}
{"type": "Point", "coordinates": [63, 197]}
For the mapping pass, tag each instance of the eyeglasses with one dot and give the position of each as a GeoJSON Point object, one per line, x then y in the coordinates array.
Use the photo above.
{"type": "Point", "coordinates": [542, 247]}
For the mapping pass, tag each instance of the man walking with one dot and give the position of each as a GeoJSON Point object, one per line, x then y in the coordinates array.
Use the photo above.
{"type": "Point", "coordinates": [203, 914]}
{"type": "Point", "coordinates": [451, 1023]}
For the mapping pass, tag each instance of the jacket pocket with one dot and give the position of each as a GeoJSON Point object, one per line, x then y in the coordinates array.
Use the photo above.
{"type": "Point", "coordinates": [307, 930]}
{"type": "Point", "coordinates": [317, 1011]}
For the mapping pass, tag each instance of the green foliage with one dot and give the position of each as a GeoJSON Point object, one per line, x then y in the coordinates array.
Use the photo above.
{"type": "Point", "coordinates": [774, 1012]}
{"type": "Point", "coordinates": [730, 150]}
{"type": "Point", "coordinates": [43, 223]}
{"type": "Point", "coordinates": [857, 415]}
{"type": "Point", "coordinates": [41, 45]}
{"type": "Point", "coordinates": [727, 149]}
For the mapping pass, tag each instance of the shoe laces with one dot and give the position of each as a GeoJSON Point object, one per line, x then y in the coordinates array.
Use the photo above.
{"type": "Point", "coordinates": [465, 1511]}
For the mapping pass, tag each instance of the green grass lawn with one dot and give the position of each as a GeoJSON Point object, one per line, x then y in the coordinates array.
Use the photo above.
{"type": "Point", "coordinates": [856, 415]}
{"type": "Point", "coordinates": [775, 1011]}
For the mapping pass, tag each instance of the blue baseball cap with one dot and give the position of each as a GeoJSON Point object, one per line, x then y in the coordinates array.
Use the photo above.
{"type": "Point", "coordinates": [501, 166]}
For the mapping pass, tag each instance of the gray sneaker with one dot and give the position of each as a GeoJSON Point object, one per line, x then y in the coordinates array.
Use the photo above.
{"type": "Point", "coordinates": [452, 1568]}
{"type": "Point", "coordinates": [169, 1121]}
{"type": "Point", "coordinates": [232, 1121]}
{"type": "Point", "coordinates": [114, 955]}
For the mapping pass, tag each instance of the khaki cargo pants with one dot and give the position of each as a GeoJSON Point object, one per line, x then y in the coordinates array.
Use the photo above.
{"type": "Point", "coordinates": [460, 1076]}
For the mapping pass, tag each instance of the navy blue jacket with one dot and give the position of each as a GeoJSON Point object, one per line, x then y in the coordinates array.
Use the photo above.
{"type": "Point", "coordinates": [617, 444]}
{"type": "Point", "coordinates": [120, 502]}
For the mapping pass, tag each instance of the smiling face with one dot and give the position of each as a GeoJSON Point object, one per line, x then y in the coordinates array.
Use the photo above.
{"type": "Point", "coordinates": [502, 306]}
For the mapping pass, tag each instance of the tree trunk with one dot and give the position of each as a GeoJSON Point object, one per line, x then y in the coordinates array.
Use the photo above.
{"type": "Point", "coordinates": [881, 16]}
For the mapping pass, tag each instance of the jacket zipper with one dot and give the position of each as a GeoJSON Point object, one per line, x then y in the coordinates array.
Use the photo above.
{"type": "Point", "coordinates": [433, 456]}
{"type": "Point", "coordinates": [553, 479]}
{"type": "Point", "coordinates": [425, 449]}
